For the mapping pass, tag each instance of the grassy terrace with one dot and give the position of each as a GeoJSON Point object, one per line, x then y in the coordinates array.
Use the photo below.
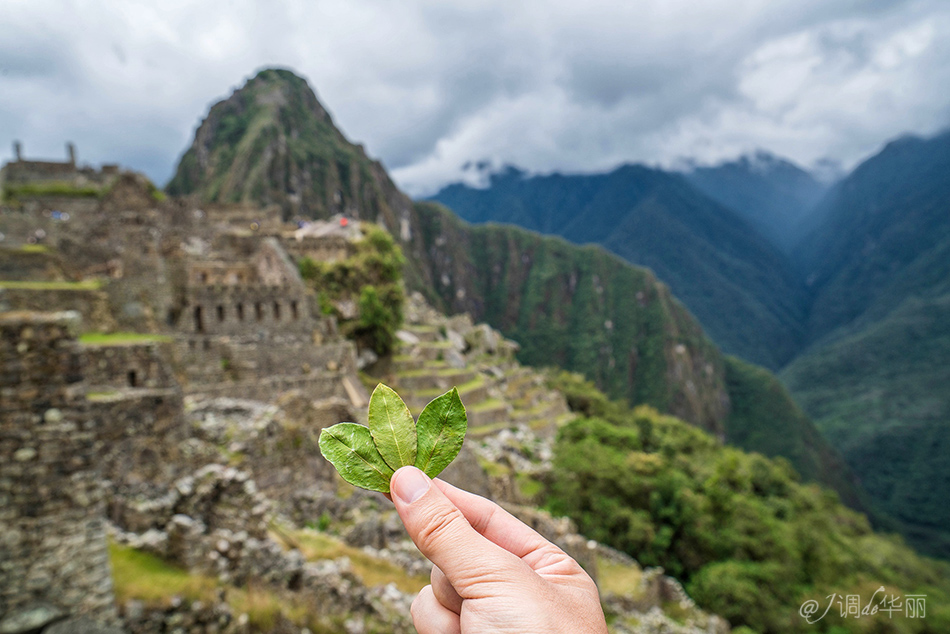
{"type": "Point", "coordinates": [50, 188]}
{"type": "Point", "coordinates": [475, 383]}
{"type": "Point", "coordinates": [147, 578]}
{"type": "Point", "coordinates": [487, 404]}
{"type": "Point", "coordinates": [101, 396]}
{"type": "Point", "coordinates": [31, 248]}
{"type": "Point", "coordinates": [434, 371]}
{"type": "Point", "coordinates": [315, 546]}
{"type": "Point", "coordinates": [122, 338]}
{"type": "Point", "coordinates": [85, 285]}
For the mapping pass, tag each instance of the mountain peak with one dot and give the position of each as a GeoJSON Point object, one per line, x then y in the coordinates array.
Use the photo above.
{"type": "Point", "coordinates": [272, 142]}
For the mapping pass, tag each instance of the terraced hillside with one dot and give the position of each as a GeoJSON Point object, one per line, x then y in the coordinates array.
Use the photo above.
{"type": "Point", "coordinates": [437, 353]}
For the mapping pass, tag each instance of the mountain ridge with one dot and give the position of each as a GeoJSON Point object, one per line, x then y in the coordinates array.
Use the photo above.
{"type": "Point", "coordinates": [771, 193]}
{"type": "Point", "coordinates": [519, 282]}
{"type": "Point", "coordinates": [874, 377]}
{"type": "Point", "coordinates": [721, 268]}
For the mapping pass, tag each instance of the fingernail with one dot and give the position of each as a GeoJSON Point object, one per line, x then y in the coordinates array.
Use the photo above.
{"type": "Point", "coordinates": [410, 484]}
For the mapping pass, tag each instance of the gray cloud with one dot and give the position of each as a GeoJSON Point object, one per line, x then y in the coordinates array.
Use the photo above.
{"type": "Point", "coordinates": [429, 85]}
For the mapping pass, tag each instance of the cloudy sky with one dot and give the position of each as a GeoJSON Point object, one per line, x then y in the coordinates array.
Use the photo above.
{"type": "Point", "coordinates": [429, 85]}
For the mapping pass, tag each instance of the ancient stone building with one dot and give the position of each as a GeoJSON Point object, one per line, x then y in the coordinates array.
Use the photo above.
{"type": "Point", "coordinates": [256, 296]}
{"type": "Point", "coordinates": [53, 556]}
{"type": "Point", "coordinates": [22, 170]}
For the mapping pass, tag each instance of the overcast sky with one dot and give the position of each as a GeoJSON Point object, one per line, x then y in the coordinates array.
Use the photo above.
{"type": "Point", "coordinates": [429, 85]}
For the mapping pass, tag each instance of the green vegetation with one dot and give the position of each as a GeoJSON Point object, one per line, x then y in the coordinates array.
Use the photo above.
{"type": "Point", "coordinates": [371, 278]}
{"type": "Point", "coordinates": [122, 338]}
{"type": "Point", "coordinates": [277, 109]}
{"type": "Point", "coordinates": [155, 193]}
{"type": "Point", "coordinates": [142, 576]}
{"type": "Point", "coordinates": [85, 285]}
{"type": "Point", "coordinates": [880, 396]}
{"type": "Point", "coordinates": [749, 541]}
{"type": "Point", "coordinates": [582, 309]}
{"type": "Point", "coordinates": [147, 578]}
{"type": "Point", "coordinates": [619, 579]}
{"type": "Point", "coordinates": [764, 418]}
{"type": "Point", "coordinates": [315, 545]}
{"type": "Point", "coordinates": [33, 248]}
{"type": "Point", "coordinates": [742, 289]}
{"type": "Point", "coordinates": [367, 457]}
{"type": "Point", "coordinates": [573, 307]}
{"type": "Point", "coordinates": [875, 377]}
{"type": "Point", "coordinates": [15, 191]}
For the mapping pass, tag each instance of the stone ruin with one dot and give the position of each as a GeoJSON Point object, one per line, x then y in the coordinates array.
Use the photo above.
{"type": "Point", "coordinates": [53, 558]}
{"type": "Point", "coordinates": [147, 441]}
{"type": "Point", "coordinates": [22, 170]}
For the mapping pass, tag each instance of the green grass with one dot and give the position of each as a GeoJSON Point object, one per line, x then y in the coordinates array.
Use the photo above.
{"type": "Point", "coordinates": [528, 486]}
{"type": "Point", "coordinates": [614, 578]}
{"type": "Point", "coordinates": [85, 285]}
{"type": "Point", "coordinates": [33, 248]}
{"type": "Point", "coordinates": [434, 371]}
{"type": "Point", "coordinates": [145, 577]}
{"type": "Point", "coordinates": [122, 338]}
{"type": "Point", "coordinates": [50, 188]}
{"type": "Point", "coordinates": [101, 396]}
{"type": "Point", "coordinates": [487, 404]}
{"type": "Point", "coordinates": [373, 571]}
{"type": "Point", "coordinates": [464, 388]}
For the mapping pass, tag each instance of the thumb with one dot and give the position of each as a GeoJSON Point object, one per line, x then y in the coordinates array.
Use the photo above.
{"type": "Point", "coordinates": [445, 537]}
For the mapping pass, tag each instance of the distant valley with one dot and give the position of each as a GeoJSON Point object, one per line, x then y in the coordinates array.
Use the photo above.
{"type": "Point", "coordinates": [843, 289]}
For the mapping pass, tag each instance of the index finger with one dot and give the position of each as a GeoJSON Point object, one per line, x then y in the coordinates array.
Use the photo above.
{"type": "Point", "coordinates": [496, 524]}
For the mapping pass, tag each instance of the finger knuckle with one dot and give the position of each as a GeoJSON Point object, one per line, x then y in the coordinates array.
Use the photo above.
{"type": "Point", "coordinates": [440, 523]}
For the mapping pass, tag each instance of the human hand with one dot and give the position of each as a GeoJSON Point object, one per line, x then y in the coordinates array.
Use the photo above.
{"type": "Point", "coordinates": [492, 573]}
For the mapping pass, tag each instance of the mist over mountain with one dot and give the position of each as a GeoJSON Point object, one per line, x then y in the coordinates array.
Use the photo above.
{"type": "Point", "coordinates": [772, 194]}
{"type": "Point", "coordinates": [741, 288]}
{"type": "Point", "coordinates": [876, 376]}
{"type": "Point", "coordinates": [849, 292]}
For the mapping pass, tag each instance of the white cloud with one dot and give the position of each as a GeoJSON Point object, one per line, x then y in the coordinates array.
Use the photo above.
{"type": "Point", "coordinates": [429, 86]}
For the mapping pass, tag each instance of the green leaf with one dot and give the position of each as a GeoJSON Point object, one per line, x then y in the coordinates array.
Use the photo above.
{"type": "Point", "coordinates": [349, 447]}
{"type": "Point", "coordinates": [440, 430]}
{"type": "Point", "coordinates": [392, 427]}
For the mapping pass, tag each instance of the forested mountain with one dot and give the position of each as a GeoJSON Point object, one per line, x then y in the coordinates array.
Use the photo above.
{"type": "Point", "coordinates": [856, 311]}
{"type": "Point", "coordinates": [877, 377]}
{"type": "Point", "coordinates": [740, 287]}
{"type": "Point", "coordinates": [772, 194]}
{"type": "Point", "coordinates": [578, 307]}
{"type": "Point", "coordinates": [272, 142]}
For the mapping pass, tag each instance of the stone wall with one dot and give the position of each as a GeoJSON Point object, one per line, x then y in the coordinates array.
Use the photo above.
{"type": "Point", "coordinates": [319, 249]}
{"type": "Point", "coordinates": [23, 264]}
{"type": "Point", "coordinates": [322, 385]}
{"type": "Point", "coordinates": [128, 365]}
{"type": "Point", "coordinates": [53, 555]}
{"type": "Point", "coordinates": [92, 304]}
{"type": "Point", "coordinates": [213, 360]}
{"type": "Point", "coordinates": [245, 310]}
{"type": "Point", "coordinates": [138, 436]}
